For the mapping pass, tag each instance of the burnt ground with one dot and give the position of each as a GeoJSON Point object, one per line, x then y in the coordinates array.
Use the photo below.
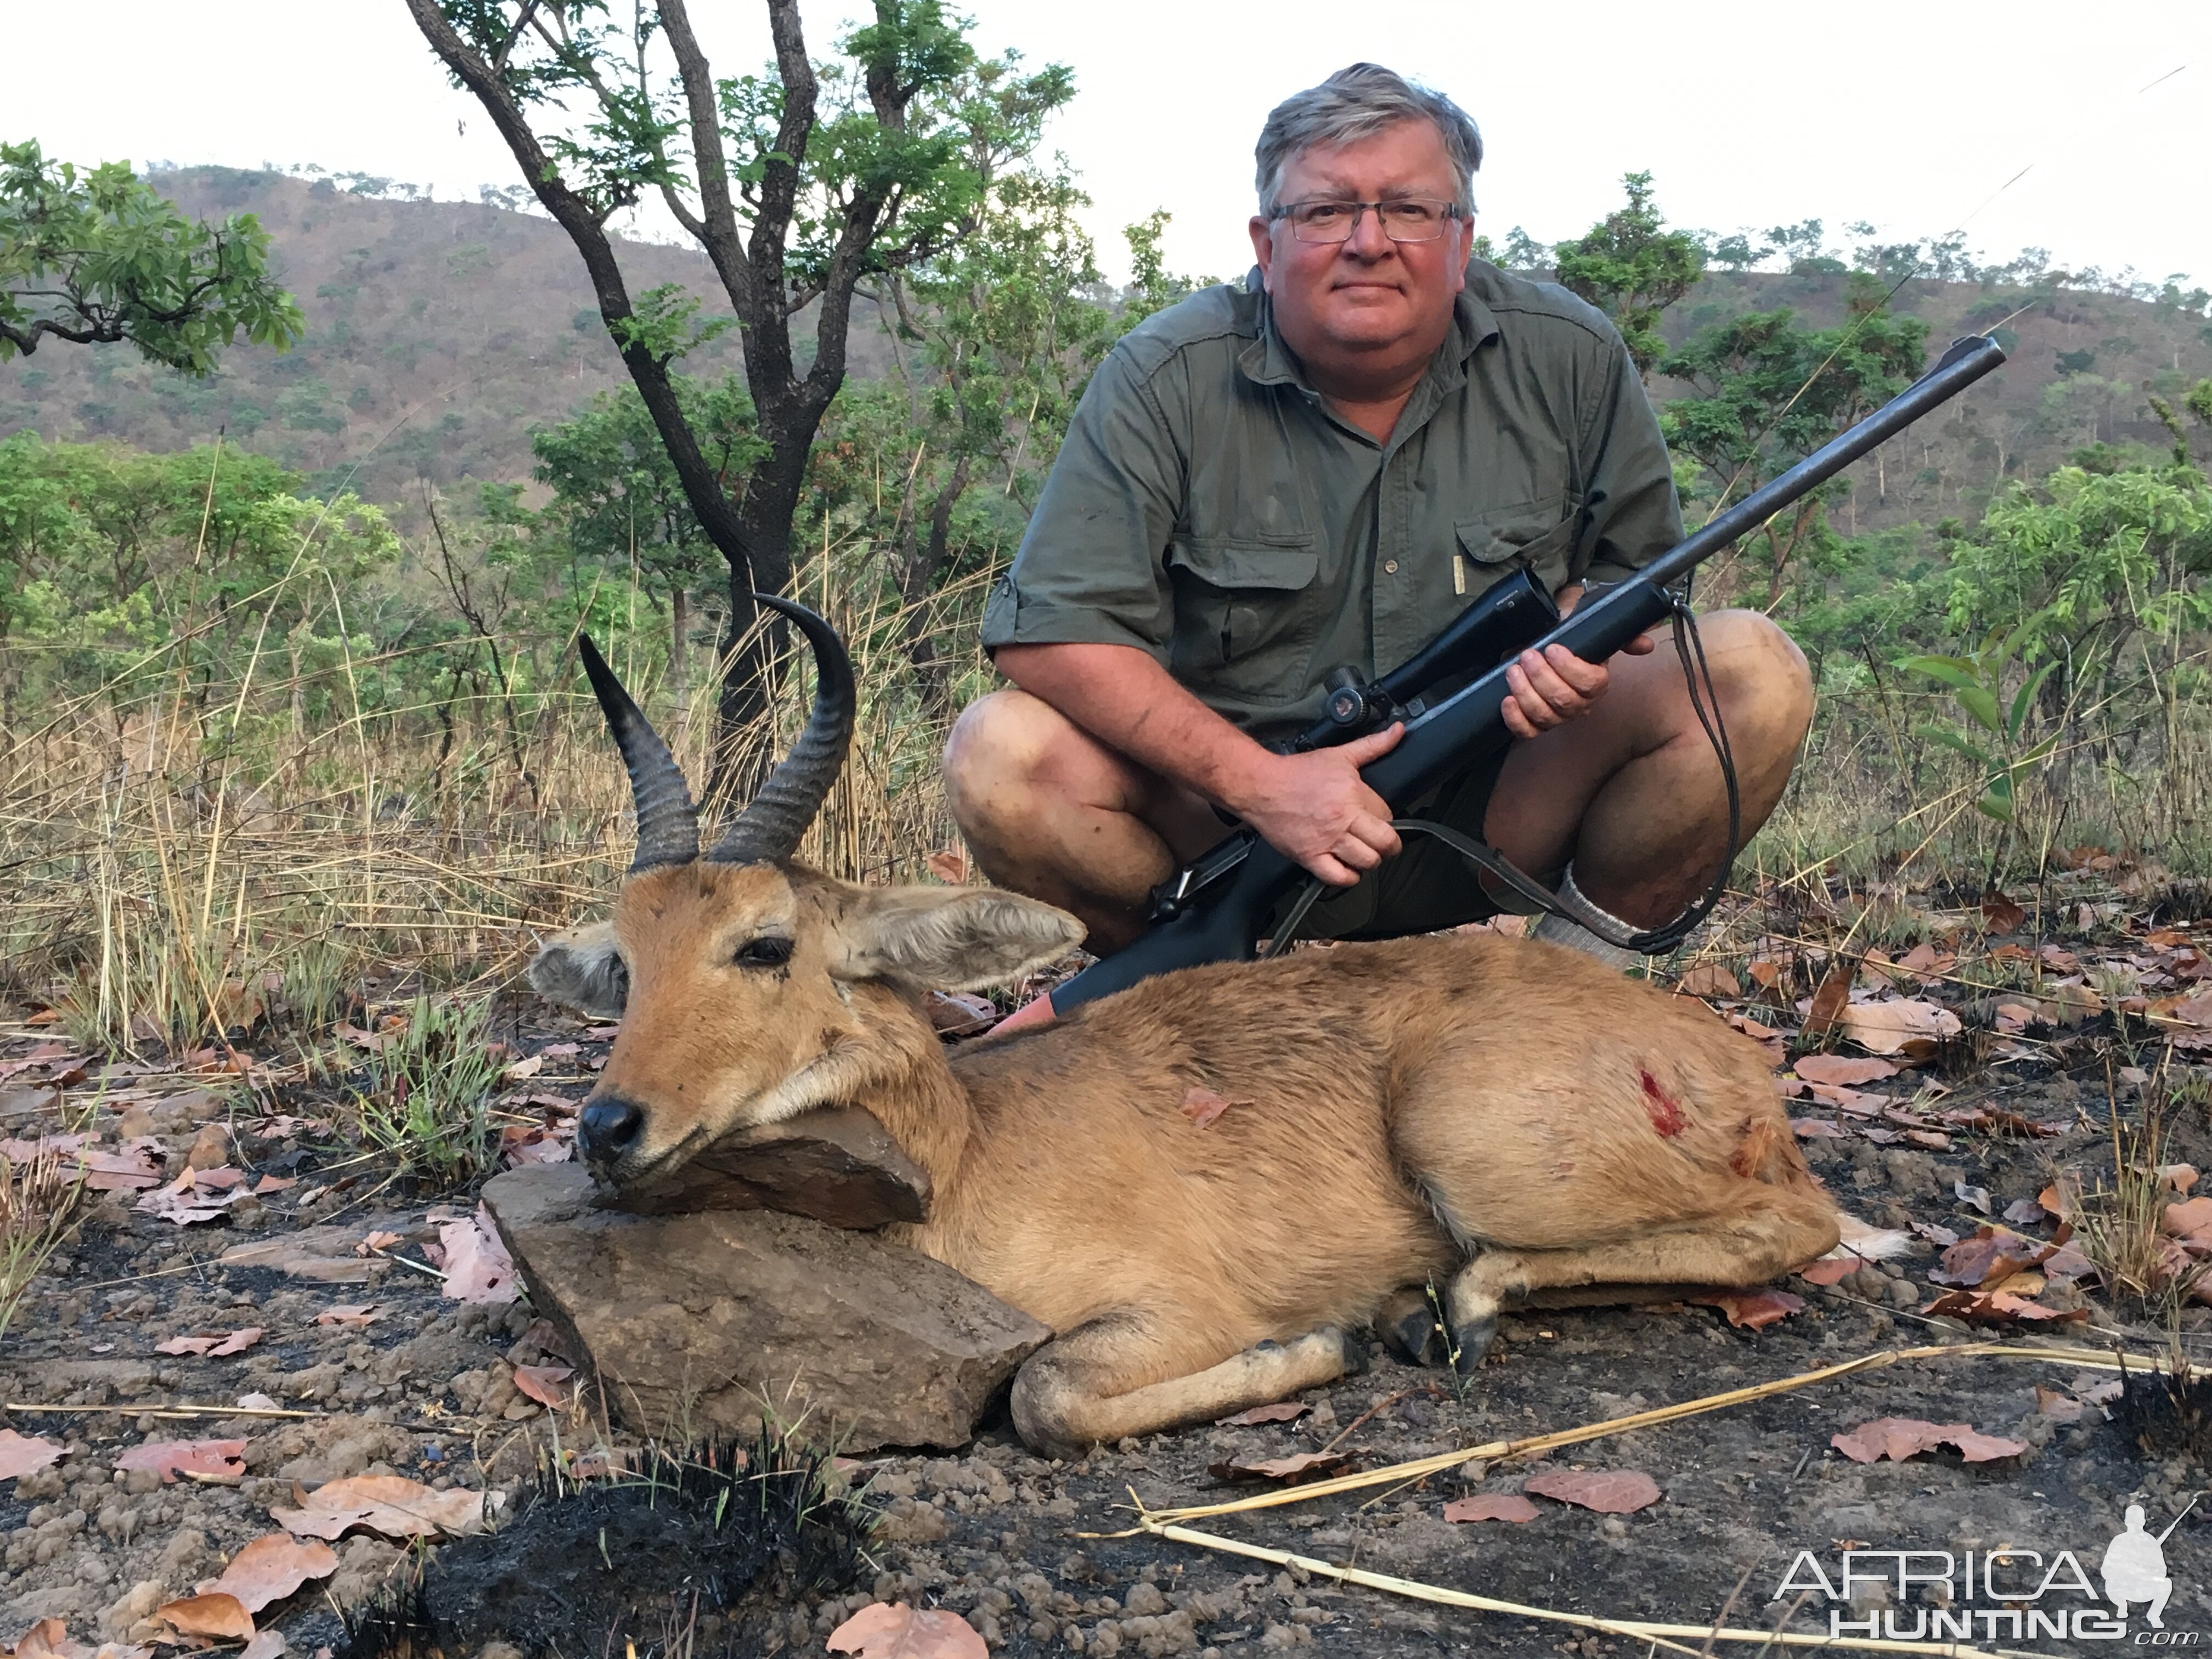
{"type": "Point", "coordinates": [426, 1390]}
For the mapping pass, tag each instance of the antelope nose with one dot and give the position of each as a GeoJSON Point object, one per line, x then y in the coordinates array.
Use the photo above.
{"type": "Point", "coordinates": [608, 1128]}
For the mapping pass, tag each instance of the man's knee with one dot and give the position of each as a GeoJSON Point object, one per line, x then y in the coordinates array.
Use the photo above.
{"type": "Point", "coordinates": [1765, 684]}
{"type": "Point", "coordinates": [999, 751]}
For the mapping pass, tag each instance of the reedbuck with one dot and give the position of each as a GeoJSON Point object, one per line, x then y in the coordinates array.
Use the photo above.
{"type": "Point", "coordinates": [1504, 1117]}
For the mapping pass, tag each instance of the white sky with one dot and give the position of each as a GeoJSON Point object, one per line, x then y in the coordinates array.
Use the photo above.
{"type": "Point", "coordinates": [1749, 111]}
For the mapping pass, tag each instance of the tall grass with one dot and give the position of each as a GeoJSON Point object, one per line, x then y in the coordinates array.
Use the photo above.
{"type": "Point", "coordinates": [185, 861]}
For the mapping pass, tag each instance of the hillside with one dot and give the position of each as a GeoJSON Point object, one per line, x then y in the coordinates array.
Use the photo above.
{"type": "Point", "coordinates": [440, 332]}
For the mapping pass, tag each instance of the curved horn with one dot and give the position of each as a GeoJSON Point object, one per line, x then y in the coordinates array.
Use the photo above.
{"type": "Point", "coordinates": [667, 823]}
{"type": "Point", "coordinates": [768, 832]}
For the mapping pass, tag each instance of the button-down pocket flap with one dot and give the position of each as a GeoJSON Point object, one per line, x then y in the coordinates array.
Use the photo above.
{"type": "Point", "coordinates": [1528, 533]}
{"type": "Point", "coordinates": [1283, 565]}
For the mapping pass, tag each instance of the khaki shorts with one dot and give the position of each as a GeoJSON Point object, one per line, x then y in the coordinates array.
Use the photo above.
{"type": "Point", "coordinates": [1427, 887]}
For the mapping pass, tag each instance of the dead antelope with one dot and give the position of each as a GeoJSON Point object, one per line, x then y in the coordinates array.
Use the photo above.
{"type": "Point", "coordinates": [1502, 1117]}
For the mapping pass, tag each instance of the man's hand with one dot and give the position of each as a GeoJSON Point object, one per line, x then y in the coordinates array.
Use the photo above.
{"type": "Point", "coordinates": [1557, 686]}
{"type": "Point", "coordinates": [1315, 808]}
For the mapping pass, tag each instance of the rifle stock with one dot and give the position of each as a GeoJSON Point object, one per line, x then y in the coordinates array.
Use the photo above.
{"type": "Point", "coordinates": [1214, 910]}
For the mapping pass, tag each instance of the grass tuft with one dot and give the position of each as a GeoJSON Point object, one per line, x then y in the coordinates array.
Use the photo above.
{"type": "Point", "coordinates": [428, 1099]}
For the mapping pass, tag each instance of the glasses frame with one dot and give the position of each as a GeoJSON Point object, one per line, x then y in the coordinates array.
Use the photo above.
{"type": "Point", "coordinates": [1452, 213]}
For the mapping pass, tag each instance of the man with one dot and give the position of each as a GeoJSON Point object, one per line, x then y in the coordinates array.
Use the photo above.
{"type": "Point", "coordinates": [1321, 469]}
{"type": "Point", "coordinates": [2133, 1570]}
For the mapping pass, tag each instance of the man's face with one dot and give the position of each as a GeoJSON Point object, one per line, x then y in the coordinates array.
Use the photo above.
{"type": "Point", "coordinates": [1369, 301]}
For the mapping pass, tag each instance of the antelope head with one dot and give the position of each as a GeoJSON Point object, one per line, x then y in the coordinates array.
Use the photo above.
{"type": "Point", "coordinates": [750, 988]}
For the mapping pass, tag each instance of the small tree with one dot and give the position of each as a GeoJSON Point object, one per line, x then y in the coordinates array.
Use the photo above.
{"type": "Point", "coordinates": [99, 256]}
{"type": "Point", "coordinates": [799, 184]}
{"type": "Point", "coordinates": [1631, 269]}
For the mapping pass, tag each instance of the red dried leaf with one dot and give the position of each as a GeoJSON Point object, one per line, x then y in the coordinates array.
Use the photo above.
{"type": "Point", "coordinates": [949, 865]}
{"type": "Point", "coordinates": [1299, 1466]}
{"type": "Point", "coordinates": [47, 1639]}
{"type": "Point", "coordinates": [2001, 915]}
{"type": "Point", "coordinates": [218, 1460]}
{"type": "Point", "coordinates": [1841, 1069]}
{"type": "Point", "coordinates": [1890, 1028]}
{"type": "Point", "coordinates": [1751, 1310]}
{"type": "Point", "coordinates": [1828, 1002]}
{"type": "Point", "coordinates": [1609, 1491]}
{"type": "Point", "coordinates": [22, 1455]}
{"type": "Point", "coordinates": [2190, 1218]}
{"type": "Point", "coordinates": [896, 1631]}
{"type": "Point", "coordinates": [2000, 1307]}
{"type": "Point", "coordinates": [355, 1314]}
{"type": "Point", "coordinates": [216, 1613]}
{"type": "Point", "coordinates": [1491, 1506]}
{"type": "Point", "coordinates": [1201, 1106]}
{"type": "Point", "coordinates": [389, 1504]}
{"type": "Point", "coordinates": [1283, 1410]}
{"type": "Point", "coordinates": [477, 1266]}
{"type": "Point", "coordinates": [543, 1384]}
{"type": "Point", "coordinates": [272, 1566]}
{"type": "Point", "coordinates": [1830, 1270]}
{"type": "Point", "coordinates": [1899, 1437]}
{"type": "Point", "coordinates": [1992, 1255]}
{"type": "Point", "coordinates": [1709, 979]}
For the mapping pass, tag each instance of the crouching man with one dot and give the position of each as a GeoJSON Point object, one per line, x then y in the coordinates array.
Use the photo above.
{"type": "Point", "coordinates": [1321, 468]}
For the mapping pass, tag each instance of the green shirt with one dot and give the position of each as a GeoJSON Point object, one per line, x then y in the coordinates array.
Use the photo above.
{"type": "Point", "coordinates": [1209, 509]}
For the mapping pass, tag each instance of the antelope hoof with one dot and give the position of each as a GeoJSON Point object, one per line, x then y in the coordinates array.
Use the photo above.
{"type": "Point", "coordinates": [1355, 1352]}
{"type": "Point", "coordinates": [1407, 1326]}
{"type": "Point", "coordinates": [1471, 1339]}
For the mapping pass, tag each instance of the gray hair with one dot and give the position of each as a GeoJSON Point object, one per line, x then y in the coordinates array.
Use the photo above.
{"type": "Point", "coordinates": [1357, 103]}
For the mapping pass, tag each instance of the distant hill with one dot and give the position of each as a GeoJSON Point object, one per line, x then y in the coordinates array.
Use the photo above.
{"type": "Point", "coordinates": [439, 332]}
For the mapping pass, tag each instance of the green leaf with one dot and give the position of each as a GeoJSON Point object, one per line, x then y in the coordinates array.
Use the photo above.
{"type": "Point", "coordinates": [1952, 671]}
{"type": "Point", "coordinates": [1952, 738]}
{"type": "Point", "coordinates": [1976, 701]}
{"type": "Point", "coordinates": [2025, 697]}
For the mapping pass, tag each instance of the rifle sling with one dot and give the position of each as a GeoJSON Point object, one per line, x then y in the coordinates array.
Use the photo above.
{"type": "Point", "coordinates": [1656, 941]}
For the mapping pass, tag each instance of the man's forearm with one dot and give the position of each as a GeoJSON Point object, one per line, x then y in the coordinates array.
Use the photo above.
{"type": "Point", "coordinates": [1126, 700]}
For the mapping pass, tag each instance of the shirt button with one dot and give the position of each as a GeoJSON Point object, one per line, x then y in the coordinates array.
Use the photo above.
{"type": "Point", "coordinates": [1390, 567]}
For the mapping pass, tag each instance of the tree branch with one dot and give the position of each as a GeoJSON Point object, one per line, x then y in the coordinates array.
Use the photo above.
{"type": "Point", "coordinates": [715, 224]}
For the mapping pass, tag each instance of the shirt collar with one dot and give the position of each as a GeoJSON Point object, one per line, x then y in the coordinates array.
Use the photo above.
{"type": "Point", "coordinates": [1267, 361]}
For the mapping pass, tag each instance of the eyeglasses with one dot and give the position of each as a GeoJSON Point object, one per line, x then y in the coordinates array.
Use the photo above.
{"type": "Point", "coordinates": [1407, 220]}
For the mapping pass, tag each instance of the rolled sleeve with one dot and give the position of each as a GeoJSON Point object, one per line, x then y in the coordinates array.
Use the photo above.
{"type": "Point", "coordinates": [1631, 514]}
{"type": "Point", "coordinates": [1090, 571]}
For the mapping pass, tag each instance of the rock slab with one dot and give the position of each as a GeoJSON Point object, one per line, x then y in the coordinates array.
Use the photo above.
{"type": "Point", "coordinates": [690, 1322]}
{"type": "Point", "coordinates": [835, 1165]}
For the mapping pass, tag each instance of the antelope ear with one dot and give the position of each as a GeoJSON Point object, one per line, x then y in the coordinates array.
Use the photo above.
{"type": "Point", "coordinates": [582, 969]}
{"type": "Point", "coordinates": [933, 939]}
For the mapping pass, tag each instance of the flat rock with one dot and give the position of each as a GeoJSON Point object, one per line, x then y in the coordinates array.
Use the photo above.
{"type": "Point", "coordinates": [690, 1322]}
{"type": "Point", "coordinates": [835, 1164]}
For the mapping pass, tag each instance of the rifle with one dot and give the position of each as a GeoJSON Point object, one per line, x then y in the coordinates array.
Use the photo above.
{"type": "Point", "coordinates": [1216, 908]}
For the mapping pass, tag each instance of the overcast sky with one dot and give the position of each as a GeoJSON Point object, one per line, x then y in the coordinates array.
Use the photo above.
{"type": "Point", "coordinates": [1749, 113]}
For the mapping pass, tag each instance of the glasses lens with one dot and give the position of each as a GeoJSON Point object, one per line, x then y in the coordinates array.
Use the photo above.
{"type": "Point", "coordinates": [1412, 221]}
{"type": "Point", "coordinates": [1323, 221]}
{"type": "Point", "coordinates": [1402, 221]}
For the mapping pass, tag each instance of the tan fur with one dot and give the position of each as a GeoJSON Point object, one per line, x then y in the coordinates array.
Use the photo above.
{"type": "Point", "coordinates": [1471, 1108]}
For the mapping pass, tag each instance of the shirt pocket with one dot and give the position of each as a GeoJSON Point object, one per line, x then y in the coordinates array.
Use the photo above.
{"type": "Point", "coordinates": [1537, 535]}
{"type": "Point", "coordinates": [1246, 612]}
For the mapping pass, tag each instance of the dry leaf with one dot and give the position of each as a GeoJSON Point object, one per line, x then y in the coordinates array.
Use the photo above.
{"type": "Point", "coordinates": [2057, 1404]}
{"type": "Point", "coordinates": [377, 1240]}
{"type": "Point", "coordinates": [1885, 1027]}
{"type": "Point", "coordinates": [353, 1314]}
{"type": "Point", "coordinates": [1899, 1437]}
{"type": "Point", "coordinates": [949, 865]}
{"type": "Point", "coordinates": [1299, 1466]}
{"type": "Point", "coordinates": [266, 1644]}
{"type": "Point", "coordinates": [1283, 1410]}
{"type": "Point", "coordinates": [1202, 1106]}
{"type": "Point", "coordinates": [1841, 1069]}
{"type": "Point", "coordinates": [959, 1013]}
{"type": "Point", "coordinates": [1974, 1197]}
{"type": "Point", "coordinates": [1992, 1255]}
{"type": "Point", "coordinates": [272, 1567]}
{"type": "Point", "coordinates": [896, 1631]}
{"type": "Point", "coordinates": [1830, 1270]}
{"type": "Point", "coordinates": [2190, 1218]}
{"type": "Point", "coordinates": [2001, 915]}
{"type": "Point", "coordinates": [477, 1266]}
{"type": "Point", "coordinates": [389, 1504]}
{"type": "Point", "coordinates": [1751, 1310]}
{"type": "Point", "coordinates": [217, 1346]}
{"type": "Point", "coordinates": [1609, 1491]}
{"type": "Point", "coordinates": [1491, 1506]}
{"type": "Point", "coordinates": [274, 1183]}
{"type": "Point", "coordinates": [2000, 1307]}
{"type": "Point", "coordinates": [47, 1639]}
{"type": "Point", "coordinates": [1829, 1000]}
{"type": "Point", "coordinates": [22, 1455]}
{"type": "Point", "coordinates": [223, 1460]}
{"type": "Point", "coordinates": [213, 1615]}
{"type": "Point", "coordinates": [526, 1068]}
{"type": "Point", "coordinates": [1709, 979]}
{"type": "Point", "coordinates": [543, 1384]}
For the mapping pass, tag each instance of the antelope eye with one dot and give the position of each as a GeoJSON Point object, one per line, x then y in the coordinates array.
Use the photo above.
{"type": "Point", "coordinates": [767, 951]}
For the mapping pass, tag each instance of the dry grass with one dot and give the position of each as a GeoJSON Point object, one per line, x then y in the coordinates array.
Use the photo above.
{"type": "Point", "coordinates": [40, 1199]}
{"type": "Point", "coordinates": [186, 863]}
